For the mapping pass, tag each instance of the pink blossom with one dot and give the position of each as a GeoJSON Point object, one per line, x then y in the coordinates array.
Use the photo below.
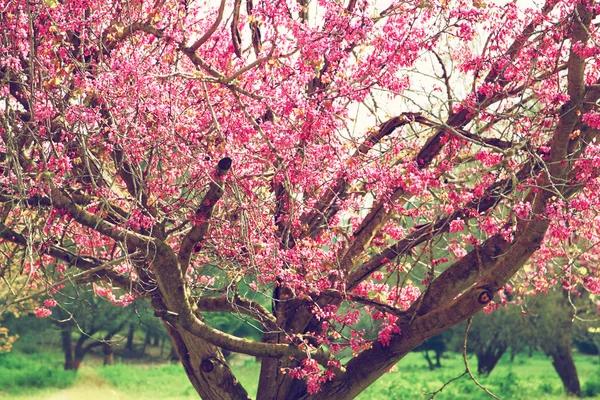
{"type": "Point", "coordinates": [458, 225]}
{"type": "Point", "coordinates": [592, 284]}
{"type": "Point", "coordinates": [42, 312]}
{"type": "Point", "coordinates": [50, 303]}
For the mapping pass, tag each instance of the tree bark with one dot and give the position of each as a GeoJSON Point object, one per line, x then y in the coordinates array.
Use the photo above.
{"type": "Point", "coordinates": [429, 362]}
{"type": "Point", "coordinates": [205, 366]}
{"type": "Point", "coordinates": [130, 336]}
{"type": "Point", "coordinates": [109, 358]}
{"type": "Point", "coordinates": [438, 357]}
{"type": "Point", "coordinates": [487, 360]}
{"type": "Point", "coordinates": [562, 359]}
{"type": "Point", "coordinates": [65, 334]}
{"type": "Point", "coordinates": [146, 342]}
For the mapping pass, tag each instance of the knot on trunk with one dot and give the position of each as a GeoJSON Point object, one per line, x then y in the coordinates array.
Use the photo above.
{"type": "Point", "coordinates": [207, 365]}
{"type": "Point", "coordinates": [485, 296]}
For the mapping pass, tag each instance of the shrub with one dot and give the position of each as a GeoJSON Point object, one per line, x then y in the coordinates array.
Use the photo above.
{"type": "Point", "coordinates": [546, 387]}
{"type": "Point", "coordinates": [591, 388]}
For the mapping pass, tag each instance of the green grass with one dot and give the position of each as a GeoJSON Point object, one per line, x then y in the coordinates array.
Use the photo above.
{"type": "Point", "coordinates": [27, 373]}
{"type": "Point", "coordinates": [169, 380]}
{"type": "Point", "coordinates": [525, 378]}
{"type": "Point", "coordinates": [155, 381]}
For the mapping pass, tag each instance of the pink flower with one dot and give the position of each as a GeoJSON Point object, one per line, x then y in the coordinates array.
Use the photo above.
{"type": "Point", "coordinates": [458, 225]}
{"type": "Point", "coordinates": [385, 334]}
{"type": "Point", "coordinates": [49, 303]}
{"type": "Point", "coordinates": [592, 285]}
{"type": "Point", "coordinates": [42, 312]}
{"type": "Point", "coordinates": [491, 306]}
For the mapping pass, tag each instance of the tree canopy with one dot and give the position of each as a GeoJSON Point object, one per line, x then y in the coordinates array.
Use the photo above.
{"type": "Point", "coordinates": [349, 178]}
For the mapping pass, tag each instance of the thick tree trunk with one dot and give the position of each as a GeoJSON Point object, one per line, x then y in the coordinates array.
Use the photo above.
{"type": "Point", "coordinates": [487, 360]}
{"type": "Point", "coordinates": [205, 366]}
{"type": "Point", "coordinates": [562, 359]}
{"type": "Point", "coordinates": [273, 384]}
{"type": "Point", "coordinates": [203, 362]}
{"type": "Point", "coordinates": [65, 334]}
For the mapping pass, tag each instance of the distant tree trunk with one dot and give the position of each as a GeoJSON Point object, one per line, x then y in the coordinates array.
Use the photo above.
{"type": "Point", "coordinates": [109, 358]}
{"type": "Point", "coordinates": [67, 348]}
{"type": "Point", "coordinates": [562, 359]}
{"type": "Point", "coordinates": [162, 347]}
{"type": "Point", "coordinates": [80, 351]}
{"type": "Point", "coordinates": [173, 356]}
{"type": "Point", "coordinates": [487, 360]}
{"type": "Point", "coordinates": [146, 342]}
{"type": "Point", "coordinates": [130, 335]}
{"type": "Point", "coordinates": [156, 341]}
{"type": "Point", "coordinates": [426, 355]}
{"type": "Point", "coordinates": [438, 356]}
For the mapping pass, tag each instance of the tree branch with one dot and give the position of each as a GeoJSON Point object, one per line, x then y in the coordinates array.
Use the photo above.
{"type": "Point", "coordinates": [203, 214]}
{"type": "Point", "coordinates": [238, 305]}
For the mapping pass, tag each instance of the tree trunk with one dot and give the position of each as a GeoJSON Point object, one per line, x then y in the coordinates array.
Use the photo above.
{"type": "Point", "coordinates": [109, 358]}
{"type": "Point", "coordinates": [146, 343]}
{"type": "Point", "coordinates": [205, 367]}
{"type": "Point", "coordinates": [130, 335]}
{"type": "Point", "coordinates": [173, 356]}
{"type": "Point", "coordinates": [487, 360]}
{"type": "Point", "coordinates": [562, 359]}
{"type": "Point", "coordinates": [79, 355]}
{"type": "Point", "coordinates": [67, 348]}
{"type": "Point", "coordinates": [431, 365]}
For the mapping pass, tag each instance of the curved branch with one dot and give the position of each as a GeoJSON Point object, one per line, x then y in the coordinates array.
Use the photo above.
{"type": "Point", "coordinates": [238, 305]}
{"type": "Point", "coordinates": [210, 30]}
{"type": "Point", "coordinates": [203, 214]}
{"type": "Point", "coordinates": [62, 201]}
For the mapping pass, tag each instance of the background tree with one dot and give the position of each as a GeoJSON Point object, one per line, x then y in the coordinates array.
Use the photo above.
{"type": "Point", "coordinates": [299, 164]}
{"type": "Point", "coordinates": [439, 345]}
{"type": "Point", "coordinates": [94, 321]}
{"type": "Point", "coordinates": [586, 337]}
{"type": "Point", "coordinates": [490, 336]}
{"type": "Point", "coordinates": [552, 318]}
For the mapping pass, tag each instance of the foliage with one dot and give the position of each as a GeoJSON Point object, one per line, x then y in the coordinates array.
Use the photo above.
{"type": "Point", "coordinates": [587, 336]}
{"type": "Point", "coordinates": [6, 340]}
{"type": "Point", "coordinates": [591, 388]}
{"type": "Point", "coordinates": [491, 335]}
{"type": "Point", "coordinates": [309, 167]}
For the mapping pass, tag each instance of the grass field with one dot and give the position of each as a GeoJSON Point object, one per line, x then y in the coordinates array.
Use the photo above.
{"type": "Point", "coordinates": [39, 376]}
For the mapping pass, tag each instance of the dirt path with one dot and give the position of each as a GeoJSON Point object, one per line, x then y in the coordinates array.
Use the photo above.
{"type": "Point", "coordinates": [89, 386]}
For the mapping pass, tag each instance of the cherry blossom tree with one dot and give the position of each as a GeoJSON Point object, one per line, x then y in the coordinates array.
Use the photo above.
{"type": "Point", "coordinates": [349, 177]}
